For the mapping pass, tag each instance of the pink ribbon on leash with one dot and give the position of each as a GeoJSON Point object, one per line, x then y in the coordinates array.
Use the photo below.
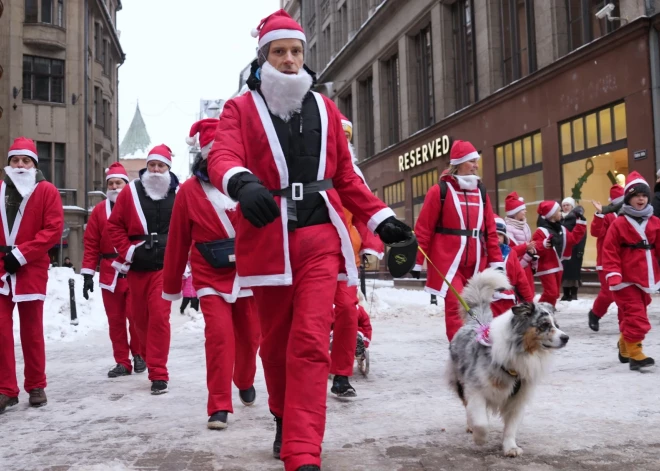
{"type": "Point", "coordinates": [483, 335]}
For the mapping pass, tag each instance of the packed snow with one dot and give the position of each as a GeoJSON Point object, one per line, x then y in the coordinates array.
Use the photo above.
{"type": "Point", "coordinates": [590, 413]}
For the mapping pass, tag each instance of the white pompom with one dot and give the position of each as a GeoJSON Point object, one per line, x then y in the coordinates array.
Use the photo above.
{"type": "Point", "coordinates": [107, 170]}
{"type": "Point", "coordinates": [254, 33]}
{"type": "Point", "coordinates": [521, 199]}
{"type": "Point", "coordinates": [191, 141]}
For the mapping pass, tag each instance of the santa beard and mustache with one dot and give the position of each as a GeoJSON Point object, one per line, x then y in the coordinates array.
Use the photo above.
{"type": "Point", "coordinates": [112, 195]}
{"type": "Point", "coordinates": [156, 185]}
{"type": "Point", "coordinates": [284, 93]}
{"type": "Point", "coordinates": [24, 179]}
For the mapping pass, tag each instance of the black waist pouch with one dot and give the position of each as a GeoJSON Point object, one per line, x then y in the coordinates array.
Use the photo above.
{"type": "Point", "coordinates": [218, 253]}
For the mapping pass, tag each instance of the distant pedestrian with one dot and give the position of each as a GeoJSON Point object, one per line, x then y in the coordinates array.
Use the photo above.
{"type": "Point", "coordinates": [67, 263]}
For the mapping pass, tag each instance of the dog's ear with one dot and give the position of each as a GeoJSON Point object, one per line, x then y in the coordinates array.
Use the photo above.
{"type": "Point", "coordinates": [523, 309]}
{"type": "Point", "coordinates": [548, 307]}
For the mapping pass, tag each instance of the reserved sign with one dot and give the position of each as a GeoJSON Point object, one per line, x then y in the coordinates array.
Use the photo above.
{"type": "Point", "coordinates": [425, 153]}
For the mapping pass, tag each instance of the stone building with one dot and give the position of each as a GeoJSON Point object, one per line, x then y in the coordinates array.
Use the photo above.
{"type": "Point", "coordinates": [58, 86]}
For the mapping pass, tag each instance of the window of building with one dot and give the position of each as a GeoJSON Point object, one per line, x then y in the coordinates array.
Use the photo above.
{"type": "Point", "coordinates": [594, 157]}
{"type": "Point", "coordinates": [326, 47]}
{"type": "Point", "coordinates": [464, 53]}
{"type": "Point", "coordinates": [98, 108]}
{"type": "Point", "coordinates": [59, 14]}
{"type": "Point", "coordinates": [366, 117]}
{"type": "Point", "coordinates": [519, 167]}
{"type": "Point", "coordinates": [52, 160]}
{"type": "Point", "coordinates": [346, 106]}
{"type": "Point", "coordinates": [45, 11]}
{"type": "Point", "coordinates": [43, 79]}
{"type": "Point", "coordinates": [391, 101]}
{"type": "Point", "coordinates": [45, 159]}
{"type": "Point", "coordinates": [423, 79]}
{"type": "Point", "coordinates": [31, 11]}
{"type": "Point", "coordinates": [106, 58]}
{"type": "Point", "coordinates": [98, 41]}
{"type": "Point", "coordinates": [395, 198]}
{"type": "Point", "coordinates": [341, 33]}
{"type": "Point", "coordinates": [583, 26]}
{"type": "Point", "coordinates": [311, 60]}
{"type": "Point", "coordinates": [106, 118]}
{"type": "Point", "coordinates": [518, 39]}
{"type": "Point", "coordinates": [420, 186]}
{"type": "Point", "coordinates": [59, 166]}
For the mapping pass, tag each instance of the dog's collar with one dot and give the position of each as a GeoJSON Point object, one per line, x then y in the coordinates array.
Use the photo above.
{"type": "Point", "coordinates": [518, 383]}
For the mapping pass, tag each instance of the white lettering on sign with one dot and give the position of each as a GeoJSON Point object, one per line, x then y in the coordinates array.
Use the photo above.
{"type": "Point", "coordinates": [424, 153]}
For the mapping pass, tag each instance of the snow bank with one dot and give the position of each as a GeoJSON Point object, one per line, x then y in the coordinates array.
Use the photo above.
{"type": "Point", "coordinates": [389, 302]}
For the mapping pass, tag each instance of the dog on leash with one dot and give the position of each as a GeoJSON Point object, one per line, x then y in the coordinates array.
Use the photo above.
{"type": "Point", "coordinates": [496, 363]}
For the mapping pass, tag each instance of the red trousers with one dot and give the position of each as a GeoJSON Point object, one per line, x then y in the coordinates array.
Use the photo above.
{"type": "Point", "coordinates": [344, 337]}
{"type": "Point", "coordinates": [295, 328]}
{"type": "Point", "coordinates": [633, 319]}
{"type": "Point", "coordinates": [551, 284]}
{"type": "Point", "coordinates": [604, 298]}
{"type": "Point", "coordinates": [453, 320]}
{"type": "Point", "coordinates": [31, 315]}
{"type": "Point", "coordinates": [118, 309]}
{"type": "Point", "coordinates": [232, 339]}
{"type": "Point", "coordinates": [151, 314]}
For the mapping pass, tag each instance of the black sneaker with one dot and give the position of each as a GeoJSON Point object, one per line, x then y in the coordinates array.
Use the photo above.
{"type": "Point", "coordinates": [218, 421]}
{"type": "Point", "coordinates": [118, 370]}
{"type": "Point", "coordinates": [277, 444]}
{"type": "Point", "coordinates": [342, 388]}
{"type": "Point", "coordinates": [158, 387]}
{"type": "Point", "coordinates": [6, 401]}
{"type": "Point", "coordinates": [593, 321]}
{"type": "Point", "coordinates": [309, 467]}
{"type": "Point", "coordinates": [248, 396]}
{"type": "Point", "coordinates": [139, 365]}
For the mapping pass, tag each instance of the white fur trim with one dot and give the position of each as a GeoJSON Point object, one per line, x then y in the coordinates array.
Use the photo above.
{"type": "Point", "coordinates": [496, 265]}
{"type": "Point", "coordinates": [117, 175]}
{"type": "Point", "coordinates": [191, 140]}
{"type": "Point", "coordinates": [111, 287]}
{"type": "Point", "coordinates": [23, 298]}
{"type": "Point", "coordinates": [465, 158]}
{"type": "Point", "coordinates": [379, 217]}
{"type": "Point", "coordinates": [230, 173]}
{"type": "Point", "coordinates": [548, 272]}
{"type": "Point", "coordinates": [515, 210]}
{"type": "Point", "coordinates": [138, 207]}
{"type": "Point", "coordinates": [160, 158]}
{"type": "Point", "coordinates": [29, 153]}
{"type": "Point", "coordinates": [554, 209]}
{"type": "Point", "coordinates": [171, 297]}
{"type": "Point", "coordinates": [580, 221]}
{"type": "Point", "coordinates": [87, 271]}
{"type": "Point", "coordinates": [599, 215]}
{"type": "Point", "coordinates": [19, 256]}
{"type": "Point", "coordinates": [378, 255]}
{"type": "Point", "coordinates": [417, 267]}
{"type": "Point", "coordinates": [346, 122]}
{"type": "Point", "coordinates": [607, 277]}
{"type": "Point", "coordinates": [206, 149]}
{"type": "Point", "coordinates": [635, 182]}
{"type": "Point", "coordinates": [618, 200]}
{"type": "Point", "coordinates": [281, 34]}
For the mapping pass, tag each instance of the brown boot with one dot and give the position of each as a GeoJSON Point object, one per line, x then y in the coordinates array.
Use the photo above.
{"type": "Point", "coordinates": [38, 397]}
{"type": "Point", "coordinates": [6, 401]}
{"type": "Point", "coordinates": [637, 358]}
{"type": "Point", "coordinates": [623, 353]}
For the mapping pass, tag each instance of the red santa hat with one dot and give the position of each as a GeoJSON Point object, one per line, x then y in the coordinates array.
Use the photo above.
{"type": "Point", "coordinates": [547, 208]}
{"type": "Point", "coordinates": [616, 194]}
{"type": "Point", "coordinates": [206, 129]}
{"type": "Point", "coordinates": [635, 184]}
{"type": "Point", "coordinates": [279, 25]}
{"type": "Point", "coordinates": [116, 170]}
{"type": "Point", "coordinates": [347, 126]}
{"type": "Point", "coordinates": [513, 203]}
{"type": "Point", "coordinates": [23, 146]}
{"type": "Point", "coordinates": [162, 153]}
{"type": "Point", "coordinates": [462, 151]}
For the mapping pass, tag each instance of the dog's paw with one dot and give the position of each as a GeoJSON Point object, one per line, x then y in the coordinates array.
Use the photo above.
{"type": "Point", "coordinates": [468, 430]}
{"type": "Point", "coordinates": [513, 451]}
{"type": "Point", "coordinates": [480, 435]}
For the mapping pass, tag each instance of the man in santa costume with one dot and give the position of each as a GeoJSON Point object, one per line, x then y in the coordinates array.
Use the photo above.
{"type": "Point", "coordinates": [554, 243]}
{"type": "Point", "coordinates": [599, 228]}
{"type": "Point", "coordinates": [458, 234]}
{"type": "Point", "coordinates": [520, 235]}
{"type": "Point", "coordinates": [203, 224]}
{"type": "Point", "coordinates": [281, 153]}
{"type": "Point", "coordinates": [114, 286]}
{"type": "Point", "coordinates": [32, 223]}
{"type": "Point", "coordinates": [138, 228]}
{"type": "Point", "coordinates": [630, 262]}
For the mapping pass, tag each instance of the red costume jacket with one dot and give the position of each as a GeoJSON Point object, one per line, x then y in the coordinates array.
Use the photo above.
{"type": "Point", "coordinates": [549, 261]}
{"type": "Point", "coordinates": [522, 291]}
{"type": "Point", "coordinates": [97, 243]}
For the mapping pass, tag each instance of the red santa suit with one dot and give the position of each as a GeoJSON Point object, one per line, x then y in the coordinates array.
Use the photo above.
{"type": "Point", "coordinates": [519, 234]}
{"type": "Point", "coordinates": [36, 229]}
{"type": "Point", "coordinates": [294, 273]}
{"type": "Point", "coordinates": [135, 221]}
{"type": "Point", "coordinates": [550, 256]}
{"type": "Point", "coordinates": [114, 286]}
{"type": "Point", "coordinates": [459, 236]}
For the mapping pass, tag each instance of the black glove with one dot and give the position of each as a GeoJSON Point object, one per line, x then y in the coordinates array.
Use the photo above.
{"type": "Point", "coordinates": [11, 263]}
{"type": "Point", "coordinates": [391, 231]}
{"type": "Point", "coordinates": [257, 203]}
{"type": "Point", "coordinates": [416, 274]}
{"type": "Point", "coordinates": [88, 285]}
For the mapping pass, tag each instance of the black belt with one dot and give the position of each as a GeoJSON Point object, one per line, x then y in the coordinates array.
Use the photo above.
{"type": "Point", "coordinates": [109, 255]}
{"type": "Point", "coordinates": [121, 275]}
{"type": "Point", "coordinates": [476, 233]}
{"type": "Point", "coordinates": [295, 193]}
{"type": "Point", "coordinates": [640, 245]}
{"type": "Point", "coordinates": [6, 248]}
{"type": "Point", "coordinates": [150, 239]}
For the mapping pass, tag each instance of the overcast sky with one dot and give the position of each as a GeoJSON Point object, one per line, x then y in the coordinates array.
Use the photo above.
{"type": "Point", "coordinates": [178, 53]}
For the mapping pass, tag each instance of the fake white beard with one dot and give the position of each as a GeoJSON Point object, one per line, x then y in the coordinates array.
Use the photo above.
{"type": "Point", "coordinates": [351, 149]}
{"type": "Point", "coordinates": [24, 179]}
{"type": "Point", "coordinates": [112, 195]}
{"type": "Point", "coordinates": [284, 93]}
{"type": "Point", "coordinates": [467, 182]}
{"type": "Point", "coordinates": [156, 185]}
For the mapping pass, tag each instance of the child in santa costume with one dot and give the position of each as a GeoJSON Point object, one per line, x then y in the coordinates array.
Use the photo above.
{"type": "Point", "coordinates": [554, 243]}
{"type": "Point", "coordinates": [203, 224]}
{"type": "Point", "coordinates": [458, 234]}
{"type": "Point", "coordinates": [138, 228]}
{"type": "Point", "coordinates": [520, 235]}
{"type": "Point", "coordinates": [114, 285]}
{"type": "Point", "coordinates": [32, 223]}
{"type": "Point", "coordinates": [599, 228]}
{"type": "Point", "coordinates": [280, 151]}
{"type": "Point", "coordinates": [521, 292]}
{"type": "Point", "coordinates": [630, 262]}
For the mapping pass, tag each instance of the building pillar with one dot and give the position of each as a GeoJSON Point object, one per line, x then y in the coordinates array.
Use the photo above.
{"type": "Point", "coordinates": [378, 135]}
{"type": "Point", "coordinates": [404, 87]}
{"type": "Point", "coordinates": [551, 26]}
{"type": "Point", "coordinates": [443, 61]}
{"type": "Point", "coordinates": [488, 48]}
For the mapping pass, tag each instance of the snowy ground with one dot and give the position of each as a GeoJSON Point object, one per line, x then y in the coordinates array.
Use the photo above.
{"type": "Point", "coordinates": [591, 413]}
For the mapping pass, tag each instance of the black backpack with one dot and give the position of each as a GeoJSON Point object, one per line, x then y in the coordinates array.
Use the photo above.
{"type": "Point", "coordinates": [443, 193]}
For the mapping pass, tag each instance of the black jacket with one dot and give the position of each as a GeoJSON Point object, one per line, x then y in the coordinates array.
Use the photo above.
{"type": "Point", "coordinates": [573, 267]}
{"type": "Point", "coordinates": [656, 200]}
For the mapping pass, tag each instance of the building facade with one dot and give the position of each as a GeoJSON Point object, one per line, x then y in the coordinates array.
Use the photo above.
{"type": "Point", "coordinates": [557, 101]}
{"type": "Point", "coordinates": [60, 61]}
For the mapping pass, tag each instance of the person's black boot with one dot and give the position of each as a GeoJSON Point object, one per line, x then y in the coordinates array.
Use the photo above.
{"type": "Point", "coordinates": [342, 388]}
{"type": "Point", "coordinates": [218, 420]}
{"type": "Point", "coordinates": [434, 299]}
{"type": "Point", "coordinates": [277, 443]}
{"type": "Point", "coordinates": [158, 387]}
{"type": "Point", "coordinates": [567, 294]}
{"type": "Point", "coordinates": [574, 291]}
{"type": "Point", "coordinates": [593, 321]}
{"type": "Point", "coordinates": [118, 370]}
{"type": "Point", "coordinates": [247, 396]}
{"type": "Point", "coordinates": [309, 467]}
{"type": "Point", "coordinates": [139, 365]}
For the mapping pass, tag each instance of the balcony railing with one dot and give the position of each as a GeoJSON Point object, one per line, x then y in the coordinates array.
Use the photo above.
{"type": "Point", "coordinates": [69, 196]}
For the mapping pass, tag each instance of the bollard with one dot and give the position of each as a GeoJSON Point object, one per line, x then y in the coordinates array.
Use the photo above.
{"type": "Point", "coordinates": [72, 302]}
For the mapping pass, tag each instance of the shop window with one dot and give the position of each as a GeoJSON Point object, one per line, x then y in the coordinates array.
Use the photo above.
{"type": "Point", "coordinates": [518, 154]}
{"type": "Point", "coordinates": [395, 198]}
{"type": "Point", "coordinates": [529, 186]}
{"type": "Point", "coordinates": [518, 39]}
{"type": "Point", "coordinates": [583, 25]}
{"type": "Point", "coordinates": [462, 12]}
{"type": "Point", "coordinates": [598, 128]}
{"type": "Point", "coordinates": [420, 186]}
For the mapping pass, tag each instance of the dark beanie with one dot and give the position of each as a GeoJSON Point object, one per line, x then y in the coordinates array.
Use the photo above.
{"type": "Point", "coordinates": [637, 189]}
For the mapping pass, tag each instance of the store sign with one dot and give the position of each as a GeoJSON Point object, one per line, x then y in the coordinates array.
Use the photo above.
{"type": "Point", "coordinates": [639, 154]}
{"type": "Point", "coordinates": [427, 152]}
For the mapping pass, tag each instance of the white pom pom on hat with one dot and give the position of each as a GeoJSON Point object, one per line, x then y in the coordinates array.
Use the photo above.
{"type": "Point", "coordinates": [254, 33]}
{"type": "Point", "coordinates": [191, 141]}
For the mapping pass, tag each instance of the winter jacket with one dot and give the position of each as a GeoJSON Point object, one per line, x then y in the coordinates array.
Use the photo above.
{"type": "Point", "coordinates": [462, 210]}
{"type": "Point", "coordinates": [599, 227]}
{"type": "Point", "coordinates": [562, 241]}
{"type": "Point", "coordinates": [363, 241]}
{"type": "Point", "coordinates": [573, 266]}
{"type": "Point", "coordinates": [98, 247]}
{"type": "Point", "coordinates": [656, 200]}
{"type": "Point", "coordinates": [364, 326]}
{"type": "Point", "coordinates": [521, 292]}
{"type": "Point", "coordinates": [519, 238]}
{"type": "Point", "coordinates": [626, 266]}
